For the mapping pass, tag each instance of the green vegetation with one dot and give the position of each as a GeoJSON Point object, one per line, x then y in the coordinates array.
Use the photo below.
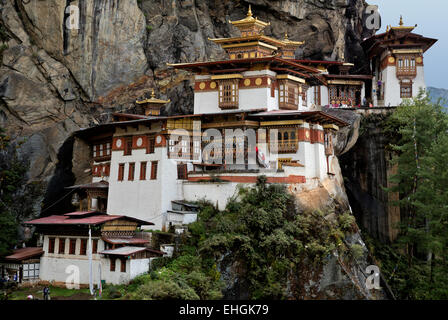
{"type": "Point", "coordinates": [16, 196]}
{"type": "Point", "coordinates": [56, 293]}
{"type": "Point", "coordinates": [260, 232]}
{"type": "Point", "coordinates": [417, 264]}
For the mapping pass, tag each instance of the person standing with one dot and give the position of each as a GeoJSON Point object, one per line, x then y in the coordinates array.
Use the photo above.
{"type": "Point", "coordinates": [46, 293]}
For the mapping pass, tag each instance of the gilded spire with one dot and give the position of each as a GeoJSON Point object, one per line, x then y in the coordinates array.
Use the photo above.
{"type": "Point", "coordinates": [286, 35]}
{"type": "Point", "coordinates": [249, 13]}
{"type": "Point", "coordinates": [401, 21]}
{"type": "Point", "coordinates": [153, 94]}
{"type": "Point", "coordinates": [388, 28]}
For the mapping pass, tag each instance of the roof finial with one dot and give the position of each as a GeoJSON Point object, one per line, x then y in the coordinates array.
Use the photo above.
{"type": "Point", "coordinates": [286, 35]}
{"type": "Point", "coordinates": [153, 94]}
{"type": "Point", "coordinates": [249, 13]}
{"type": "Point", "coordinates": [401, 21]}
{"type": "Point", "coordinates": [387, 29]}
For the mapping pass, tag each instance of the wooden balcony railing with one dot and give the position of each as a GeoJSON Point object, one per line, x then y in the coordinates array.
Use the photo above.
{"type": "Point", "coordinates": [290, 146]}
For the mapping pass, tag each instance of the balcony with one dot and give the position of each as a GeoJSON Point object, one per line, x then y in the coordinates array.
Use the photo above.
{"type": "Point", "coordinates": [290, 146]}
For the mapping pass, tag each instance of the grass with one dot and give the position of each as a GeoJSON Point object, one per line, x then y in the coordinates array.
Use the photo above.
{"type": "Point", "coordinates": [56, 293]}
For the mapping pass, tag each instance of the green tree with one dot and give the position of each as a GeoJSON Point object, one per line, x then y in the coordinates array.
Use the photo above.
{"type": "Point", "coordinates": [15, 195]}
{"type": "Point", "coordinates": [422, 182]}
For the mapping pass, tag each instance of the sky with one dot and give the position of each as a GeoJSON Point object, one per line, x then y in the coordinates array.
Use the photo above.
{"type": "Point", "coordinates": [431, 16]}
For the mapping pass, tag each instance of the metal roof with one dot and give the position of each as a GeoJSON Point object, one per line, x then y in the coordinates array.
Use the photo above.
{"type": "Point", "coordinates": [25, 253]}
{"type": "Point", "coordinates": [79, 213]}
{"type": "Point", "coordinates": [68, 219]}
{"type": "Point", "coordinates": [125, 240]}
{"type": "Point", "coordinates": [97, 185]}
{"type": "Point", "coordinates": [123, 251]}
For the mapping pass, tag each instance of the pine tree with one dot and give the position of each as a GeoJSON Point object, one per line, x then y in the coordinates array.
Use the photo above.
{"type": "Point", "coordinates": [422, 181]}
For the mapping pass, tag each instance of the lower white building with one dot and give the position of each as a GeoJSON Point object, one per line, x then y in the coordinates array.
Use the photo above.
{"type": "Point", "coordinates": [118, 254]}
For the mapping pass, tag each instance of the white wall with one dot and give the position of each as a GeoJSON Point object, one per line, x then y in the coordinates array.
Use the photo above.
{"type": "Point", "coordinates": [392, 88]}
{"type": "Point", "coordinates": [216, 193]}
{"type": "Point", "coordinates": [138, 267]}
{"type": "Point", "coordinates": [143, 199]}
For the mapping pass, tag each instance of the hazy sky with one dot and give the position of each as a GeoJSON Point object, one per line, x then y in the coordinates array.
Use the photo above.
{"type": "Point", "coordinates": [432, 20]}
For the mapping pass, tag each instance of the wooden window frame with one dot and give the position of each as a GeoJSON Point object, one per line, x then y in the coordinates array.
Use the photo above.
{"type": "Point", "coordinates": [289, 145]}
{"type": "Point", "coordinates": [122, 265]}
{"type": "Point", "coordinates": [288, 96]}
{"type": "Point", "coordinates": [51, 245]}
{"type": "Point", "coordinates": [317, 96]}
{"type": "Point", "coordinates": [143, 166]}
{"type": "Point", "coordinates": [182, 173]}
{"type": "Point", "coordinates": [121, 168]}
{"type": "Point", "coordinates": [72, 247]}
{"type": "Point", "coordinates": [154, 169]}
{"type": "Point", "coordinates": [113, 264]}
{"type": "Point", "coordinates": [94, 245]}
{"type": "Point", "coordinates": [405, 90]}
{"type": "Point", "coordinates": [83, 247]}
{"type": "Point", "coordinates": [61, 249]}
{"type": "Point", "coordinates": [228, 94]}
{"type": "Point", "coordinates": [304, 94]}
{"type": "Point", "coordinates": [102, 151]}
{"type": "Point", "coordinates": [150, 148]}
{"type": "Point", "coordinates": [127, 146]}
{"type": "Point", "coordinates": [131, 171]}
{"type": "Point", "coordinates": [406, 65]}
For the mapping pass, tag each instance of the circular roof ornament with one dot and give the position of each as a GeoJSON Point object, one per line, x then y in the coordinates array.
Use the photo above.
{"type": "Point", "coordinates": [118, 143]}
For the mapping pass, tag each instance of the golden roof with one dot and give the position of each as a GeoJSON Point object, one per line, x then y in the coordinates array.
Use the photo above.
{"type": "Point", "coordinates": [153, 100]}
{"type": "Point", "coordinates": [250, 21]}
{"type": "Point", "coordinates": [402, 26]}
{"type": "Point", "coordinates": [288, 42]}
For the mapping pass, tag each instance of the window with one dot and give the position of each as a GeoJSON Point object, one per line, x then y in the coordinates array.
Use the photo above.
{"type": "Point", "coordinates": [287, 140]}
{"type": "Point", "coordinates": [154, 165]}
{"type": "Point", "coordinates": [317, 95]}
{"type": "Point", "coordinates": [123, 265]}
{"type": "Point", "coordinates": [112, 264]}
{"type": "Point", "coordinates": [72, 246]}
{"type": "Point", "coordinates": [83, 249]}
{"type": "Point", "coordinates": [102, 151]}
{"type": "Point", "coordinates": [151, 144]}
{"type": "Point", "coordinates": [288, 95]}
{"type": "Point", "coordinates": [61, 245]}
{"type": "Point", "coordinates": [304, 94]}
{"type": "Point", "coordinates": [143, 170]}
{"type": "Point", "coordinates": [406, 66]}
{"type": "Point", "coordinates": [182, 172]}
{"type": "Point", "coordinates": [328, 144]}
{"type": "Point", "coordinates": [179, 147]}
{"type": "Point", "coordinates": [342, 94]}
{"type": "Point", "coordinates": [406, 90]}
{"type": "Point", "coordinates": [94, 246]}
{"type": "Point", "coordinates": [131, 171]}
{"type": "Point", "coordinates": [51, 242]}
{"type": "Point", "coordinates": [128, 146]}
{"type": "Point", "coordinates": [121, 172]}
{"type": "Point", "coordinates": [228, 94]}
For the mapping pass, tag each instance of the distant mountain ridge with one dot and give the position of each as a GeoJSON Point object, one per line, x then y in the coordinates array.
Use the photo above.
{"type": "Point", "coordinates": [436, 93]}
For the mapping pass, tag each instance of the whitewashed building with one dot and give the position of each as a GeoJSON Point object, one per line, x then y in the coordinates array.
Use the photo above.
{"type": "Point", "coordinates": [396, 58]}
{"type": "Point", "coordinates": [116, 248]}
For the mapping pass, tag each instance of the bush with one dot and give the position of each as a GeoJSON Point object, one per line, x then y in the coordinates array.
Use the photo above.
{"type": "Point", "coordinates": [164, 290]}
{"type": "Point", "coordinates": [357, 250]}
